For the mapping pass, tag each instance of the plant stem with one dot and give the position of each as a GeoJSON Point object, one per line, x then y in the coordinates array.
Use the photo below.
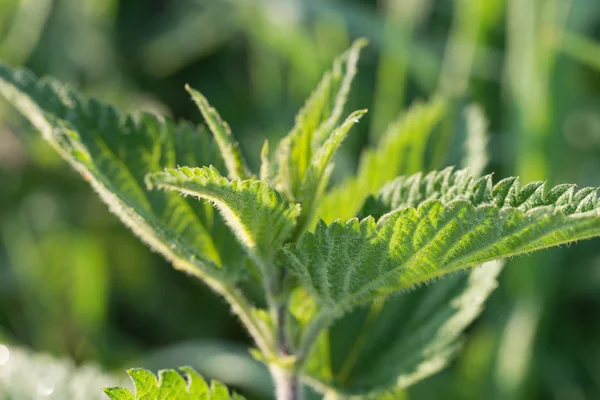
{"type": "Point", "coordinates": [287, 384]}
{"type": "Point", "coordinates": [282, 340]}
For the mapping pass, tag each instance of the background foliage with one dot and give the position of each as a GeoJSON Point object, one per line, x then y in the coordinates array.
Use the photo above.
{"type": "Point", "coordinates": [76, 284]}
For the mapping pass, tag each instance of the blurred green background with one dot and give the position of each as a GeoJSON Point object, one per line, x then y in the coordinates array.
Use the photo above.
{"type": "Point", "coordinates": [76, 284]}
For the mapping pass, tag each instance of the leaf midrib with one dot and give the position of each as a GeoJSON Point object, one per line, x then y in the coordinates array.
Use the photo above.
{"type": "Point", "coordinates": [347, 301]}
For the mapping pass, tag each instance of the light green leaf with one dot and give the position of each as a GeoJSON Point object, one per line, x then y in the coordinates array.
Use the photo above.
{"type": "Point", "coordinates": [230, 149]}
{"type": "Point", "coordinates": [460, 222]}
{"type": "Point", "coordinates": [171, 386]}
{"type": "Point", "coordinates": [115, 152]}
{"type": "Point", "coordinates": [401, 151]}
{"type": "Point", "coordinates": [204, 354]}
{"type": "Point", "coordinates": [146, 384]}
{"type": "Point", "coordinates": [259, 217]}
{"type": "Point", "coordinates": [196, 385]}
{"type": "Point", "coordinates": [119, 393]}
{"type": "Point", "coordinates": [219, 391]}
{"type": "Point", "coordinates": [314, 123]}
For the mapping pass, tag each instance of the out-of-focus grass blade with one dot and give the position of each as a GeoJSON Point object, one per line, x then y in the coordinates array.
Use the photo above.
{"type": "Point", "coordinates": [580, 48]}
{"type": "Point", "coordinates": [25, 30]}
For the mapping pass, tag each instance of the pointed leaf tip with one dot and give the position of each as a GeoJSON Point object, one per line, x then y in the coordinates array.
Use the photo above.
{"type": "Point", "coordinates": [114, 153]}
{"type": "Point", "coordinates": [230, 149]}
{"type": "Point", "coordinates": [315, 122]}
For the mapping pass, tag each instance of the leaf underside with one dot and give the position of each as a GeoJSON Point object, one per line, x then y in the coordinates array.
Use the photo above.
{"type": "Point", "coordinates": [170, 385]}
{"type": "Point", "coordinates": [115, 152]}
{"type": "Point", "coordinates": [396, 342]}
{"type": "Point", "coordinates": [442, 222]}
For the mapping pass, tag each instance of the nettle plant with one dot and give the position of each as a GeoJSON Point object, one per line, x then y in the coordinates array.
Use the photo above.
{"type": "Point", "coordinates": [328, 260]}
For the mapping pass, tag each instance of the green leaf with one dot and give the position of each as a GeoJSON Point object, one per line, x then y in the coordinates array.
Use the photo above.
{"type": "Point", "coordinates": [119, 393]}
{"type": "Point", "coordinates": [171, 386]}
{"type": "Point", "coordinates": [146, 384]}
{"type": "Point", "coordinates": [196, 385]}
{"type": "Point", "coordinates": [404, 339]}
{"type": "Point", "coordinates": [442, 222]}
{"type": "Point", "coordinates": [260, 218]}
{"type": "Point", "coordinates": [248, 374]}
{"type": "Point", "coordinates": [401, 151]}
{"type": "Point", "coordinates": [115, 152]}
{"type": "Point", "coordinates": [230, 149]}
{"type": "Point", "coordinates": [219, 391]}
{"type": "Point", "coordinates": [314, 123]}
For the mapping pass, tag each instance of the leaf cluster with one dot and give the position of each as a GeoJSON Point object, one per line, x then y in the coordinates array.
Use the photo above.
{"type": "Point", "coordinates": [327, 256]}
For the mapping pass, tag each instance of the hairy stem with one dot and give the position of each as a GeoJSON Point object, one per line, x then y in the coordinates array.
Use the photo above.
{"type": "Point", "coordinates": [282, 338]}
{"type": "Point", "coordinates": [285, 376]}
{"type": "Point", "coordinates": [287, 384]}
{"type": "Point", "coordinates": [287, 381]}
